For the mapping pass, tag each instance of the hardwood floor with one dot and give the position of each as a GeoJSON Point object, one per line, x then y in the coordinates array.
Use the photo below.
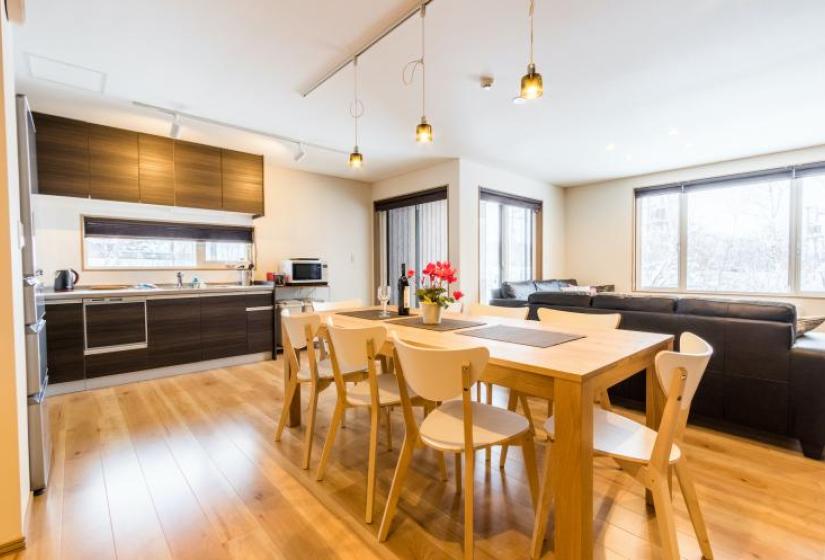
{"type": "Point", "coordinates": [186, 467]}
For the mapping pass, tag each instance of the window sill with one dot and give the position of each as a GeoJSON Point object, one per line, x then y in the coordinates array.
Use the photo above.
{"type": "Point", "coordinates": [754, 295]}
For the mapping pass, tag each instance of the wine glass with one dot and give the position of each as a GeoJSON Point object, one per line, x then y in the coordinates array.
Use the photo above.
{"type": "Point", "coordinates": [384, 298]}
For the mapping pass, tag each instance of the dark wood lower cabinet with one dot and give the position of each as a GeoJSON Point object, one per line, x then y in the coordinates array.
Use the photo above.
{"type": "Point", "coordinates": [223, 326]}
{"type": "Point", "coordinates": [178, 330]}
{"type": "Point", "coordinates": [110, 363]}
{"type": "Point", "coordinates": [64, 342]}
{"type": "Point", "coordinates": [174, 331]}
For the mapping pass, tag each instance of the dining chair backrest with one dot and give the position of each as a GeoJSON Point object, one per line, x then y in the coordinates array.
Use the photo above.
{"type": "Point", "coordinates": [295, 325]}
{"type": "Point", "coordinates": [692, 358]}
{"type": "Point", "coordinates": [349, 346]}
{"type": "Point", "coordinates": [583, 321]}
{"type": "Point", "coordinates": [336, 305]}
{"type": "Point", "coordinates": [454, 307]}
{"type": "Point", "coordinates": [436, 373]}
{"type": "Point", "coordinates": [481, 309]}
{"type": "Point", "coordinates": [679, 374]}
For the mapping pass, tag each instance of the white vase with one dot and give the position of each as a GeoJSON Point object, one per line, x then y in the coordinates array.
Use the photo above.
{"type": "Point", "coordinates": [430, 313]}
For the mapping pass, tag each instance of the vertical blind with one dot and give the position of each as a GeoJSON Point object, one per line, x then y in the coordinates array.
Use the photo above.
{"type": "Point", "coordinates": [412, 230]}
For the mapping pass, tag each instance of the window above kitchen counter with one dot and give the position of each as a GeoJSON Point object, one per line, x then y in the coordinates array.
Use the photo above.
{"type": "Point", "coordinates": [117, 244]}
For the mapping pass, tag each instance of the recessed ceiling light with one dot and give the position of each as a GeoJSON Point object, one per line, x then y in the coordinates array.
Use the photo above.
{"type": "Point", "coordinates": [673, 132]}
{"type": "Point", "coordinates": [610, 147]}
{"type": "Point", "coordinates": [65, 73]}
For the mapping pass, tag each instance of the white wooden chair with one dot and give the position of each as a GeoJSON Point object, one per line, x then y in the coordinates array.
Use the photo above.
{"type": "Point", "coordinates": [300, 332]}
{"type": "Point", "coordinates": [645, 454]}
{"type": "Point", "coordinates": [356, 350]}
{"type": "Point", "coordinates": [565, 321]}
{"type": "Point", "coordinates": [456, 426]}
{"type": "Point", "coordinates": [320, 306]}
{"type": "Point", "coordinates": [481, 309]}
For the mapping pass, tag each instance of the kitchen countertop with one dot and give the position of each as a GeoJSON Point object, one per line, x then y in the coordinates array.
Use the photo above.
{"type": "Point", "coordinates": [81, 292]}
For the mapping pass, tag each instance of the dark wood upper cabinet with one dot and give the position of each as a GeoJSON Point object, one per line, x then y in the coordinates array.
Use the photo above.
{"type": "Point", "coordinates": [157, 169]}
{"type": "Point", "coordinates": [76, 158]}
{"type": "Point", "coordinates": [113, 157]}
{"type": "Point", "coordinates": [243, 182]}
{"type": "Point", "coordinates": [62, 156]}
{"type": "Point", "coordinates": [197, 176]}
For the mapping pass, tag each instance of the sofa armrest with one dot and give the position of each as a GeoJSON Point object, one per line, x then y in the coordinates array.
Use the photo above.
{"type": "Point", "coordinates": [807, 389]}
{"type": "Point", "coordinates": [508, 302]}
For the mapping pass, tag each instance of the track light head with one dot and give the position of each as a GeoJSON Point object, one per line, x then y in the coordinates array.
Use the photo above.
{"type": "Point", "coordinates": [301, 153]}
{"type": "Point", "coordinates": [174, 131]}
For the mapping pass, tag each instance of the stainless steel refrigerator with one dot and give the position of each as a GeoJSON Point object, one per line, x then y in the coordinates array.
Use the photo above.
{"type": "Point", "coordinates": [37, 378]}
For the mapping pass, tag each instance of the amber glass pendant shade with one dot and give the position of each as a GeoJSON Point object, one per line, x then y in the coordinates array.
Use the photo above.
{"type": "Point", "coordinates": [424, 131]}
{"type": "Point", "coordinates": [356, 159]}
{"type": "Point", "coordinates": [531, 84]}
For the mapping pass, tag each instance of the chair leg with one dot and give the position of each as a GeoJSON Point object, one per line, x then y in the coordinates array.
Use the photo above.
{"type": "Point", "coordinates": [442, 465]}
{"type": "Point", "coordinates": [664, 518]}
{"type": "Point", "coordinates": [692, 502]}
{"type": "Point", "coordinates": [549, 408]}
{"type": "Point", "coordinates": [488, 451]}
{"type": "Point", "coordinates": [288, 396]}
{"type": "Point", "coordinates": [478, 391]}
{"type": "Point", "coordinates": [397, 484]}
{"type": "Point", "coordinates": [388, 417]}
{"type": "Point", "coordinates": [469, 473]}
{"type": "Point", "coordinates": [546, 495]}
{"type": "Point", "coordinates": [373, 452]}
{"type": "Point", "coordinates": [528, 448]}
{"type": "Point", "coordinates": [310, 430]}
{"type": "Point", "coordinates": [337, 417]}
{"type": "Point", "coordinates": [458, 473]}
{"type": "Point", "coordinates": [512, 404]}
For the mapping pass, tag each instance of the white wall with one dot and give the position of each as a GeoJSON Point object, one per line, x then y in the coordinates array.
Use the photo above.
{"type": "Point", "coordinates": [14, 465]}
{"type": "Point", "coordinates": [310, 215]}
{"type": "Point", "coordinates": [463, 178]}
{"type": "Point", "coordinates": [599, 220]}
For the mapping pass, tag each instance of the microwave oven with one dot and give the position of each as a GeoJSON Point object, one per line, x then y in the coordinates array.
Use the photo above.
{"type": "Point", "coordinates": [304, 271]}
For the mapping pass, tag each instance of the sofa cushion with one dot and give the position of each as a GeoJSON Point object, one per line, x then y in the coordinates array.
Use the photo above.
{"type": "Point", "coordinates": [754, 310]}
{"type": "Point", "coordinates": [560, 298]}
{"type": "Point", "coordinates": [554, 285]}
{"type": "Point", "coordinates": [624, 302]}
{"type": "Point", "coordinates": [517, 290]}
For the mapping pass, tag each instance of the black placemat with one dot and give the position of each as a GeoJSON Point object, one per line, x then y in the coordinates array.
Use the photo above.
{"type": "Point", "coordinates": [370, 314]}
{"type": "Point", "coordinates": [445, 325]}
{"type": "Point", "coordinates": [538, 338]}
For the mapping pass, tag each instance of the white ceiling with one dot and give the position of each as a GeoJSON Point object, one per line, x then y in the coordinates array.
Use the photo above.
{"type": "Point", "coordinates": [631, 87]}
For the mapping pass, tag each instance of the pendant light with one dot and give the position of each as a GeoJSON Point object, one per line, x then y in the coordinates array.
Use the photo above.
{"type": "Point", "coordinates": [424, 130]}
{"type": "Point", "coordinates": [356, 109]}
{"type": "Point", "coordinates": [531, 83]}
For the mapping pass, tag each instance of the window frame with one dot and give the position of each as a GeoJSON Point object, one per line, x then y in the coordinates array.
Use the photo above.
{"type": "Point", "coordinates": [200, 248]}
{"type": "Point", "coordinates": [536, 207]}
{"type": "Point", "coordinates": [795, 175]}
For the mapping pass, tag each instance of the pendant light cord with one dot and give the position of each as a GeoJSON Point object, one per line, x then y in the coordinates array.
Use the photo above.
{"type": "Point", "coordinates": [532, 11]}
{"type": "Point", "coordinates": [356, 108]}
{"type": "Point", "coordinates": [408, 72]}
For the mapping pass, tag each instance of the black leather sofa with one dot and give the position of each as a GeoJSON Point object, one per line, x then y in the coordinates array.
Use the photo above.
{"type": "Point", "coordinates": [515, 294]}
{"type": "Point", "coordinates": [760, 376]}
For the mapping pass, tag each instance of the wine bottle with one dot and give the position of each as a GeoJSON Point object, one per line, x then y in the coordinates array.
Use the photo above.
{"type": "Point", "coordinates": [403, 292]}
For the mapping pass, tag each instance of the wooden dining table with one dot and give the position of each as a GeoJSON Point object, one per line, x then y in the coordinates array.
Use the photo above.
{"type": "Point", "coordinates": [571, 374]}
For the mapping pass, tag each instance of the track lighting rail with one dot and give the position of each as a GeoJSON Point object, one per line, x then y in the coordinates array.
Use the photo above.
{"type": "Point", "coordinates": [366, 46]}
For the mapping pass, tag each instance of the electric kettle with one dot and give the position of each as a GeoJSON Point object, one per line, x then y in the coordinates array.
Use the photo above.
{"type": "Point", "coordinates": [65, 279]}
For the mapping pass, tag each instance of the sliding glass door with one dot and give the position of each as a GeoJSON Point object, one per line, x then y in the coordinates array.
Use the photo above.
{"type": "Point", "coordinates": [411, 230]}
{"type": "Point", "coordinates": [508, 250]}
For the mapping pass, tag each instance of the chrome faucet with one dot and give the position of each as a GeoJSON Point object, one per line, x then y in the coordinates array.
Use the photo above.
{"type": "Point", "coordinates": [180, 279]}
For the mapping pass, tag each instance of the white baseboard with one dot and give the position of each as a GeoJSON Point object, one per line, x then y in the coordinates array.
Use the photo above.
{"type": "Point", "coordinates": [147, 374]}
